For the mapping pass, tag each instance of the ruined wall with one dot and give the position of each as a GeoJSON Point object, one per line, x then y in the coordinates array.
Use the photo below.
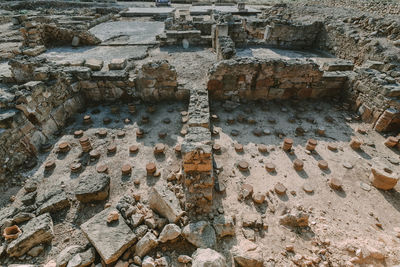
{"type": "Point", "coordinates": [254, 79]}
{"type": "Point", "coordinates": [292, 34]}
{"type": "Point", "coordinates": [376, 97]}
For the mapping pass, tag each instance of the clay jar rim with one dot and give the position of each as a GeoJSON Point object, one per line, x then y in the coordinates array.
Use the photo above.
{"type": "Point", "coordinates": [312, 142]}
{"type": "Point", "coordinates": [126, 169]}
{"type": "Point", "coordinates": [12, 232]}
{"type": "Point", "coordinates": [269, 166]}
{"type": "Point", "coordinates": [101, 168]}
{"type": "Point", "coordinates": [159, 148]}
{"type": "Point", "coordinates": [133, 148]}
{"type": "Point", "coordinates": [288, 141]}
{"type": "Point", "coordinates": [49, 164]}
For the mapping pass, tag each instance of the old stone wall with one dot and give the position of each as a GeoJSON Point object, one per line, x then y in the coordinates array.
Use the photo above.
{"type": "Point", "coordinates": [376, 96]}
{"type": "Point", "coordinates": [292, 34]}
{"type": "Point", "coordinates": [249, 78]}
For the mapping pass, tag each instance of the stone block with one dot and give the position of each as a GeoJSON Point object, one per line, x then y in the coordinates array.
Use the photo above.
{"type": "Point", "coordinates": [110, 239]}
{"type": "Point", "coordinates": [94, 64]}
{"type": "Point", "coordinates": [117, 64]}
{"type": "Point", "coordinates": [93, 187]}
{"type": "Point", "coordinates": [164, 201]}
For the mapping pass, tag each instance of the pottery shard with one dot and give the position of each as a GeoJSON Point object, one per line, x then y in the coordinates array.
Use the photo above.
{"type": "Point", "coordinates": [208, 258]}
{"type": "Point", "coordinates": [93, 187]}
{"type": "Point", "coordinates": [110, 239]}
{"type": "Point", "coordinates": [201, 234]}
{"type": "Point", "coordinates": [164, 201]}
{"type": "Point", "coordinates": [145, 244]}
{"type": "Point", "coordinates": [248, 254]}
{"type": "Point", "coordinates": [224, 226]}
{"type": "Point", "coordinates": [37, 231]}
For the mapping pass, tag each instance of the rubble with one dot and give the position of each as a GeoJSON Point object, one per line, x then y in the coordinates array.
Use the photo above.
{"type": "Point", "coordinates": [93, 187]}
{"type": "Point", "coordinates": [201, 234]}
{"type": "Point", "coordinates": [208, 257]}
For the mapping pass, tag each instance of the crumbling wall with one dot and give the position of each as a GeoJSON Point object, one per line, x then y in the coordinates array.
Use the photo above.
{"type": "Point", "coordinates": [158, 81]}
{"type": "Point", "coordinates": [376, 97]}
{"type": "Point", "coordinates": [249, 78]}
{"type": "Point", "coordinates": [225, 48]}
{"type": "Point", "coordinates": [292, 34]}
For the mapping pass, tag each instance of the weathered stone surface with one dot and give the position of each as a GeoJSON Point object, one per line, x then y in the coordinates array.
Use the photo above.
{"type": "Point", "coordinates": [248, 254]}
{"type": "Point", "coordinates": [93, 187]}
{"type": "Point", "coordinates": [87, 257]}
{"type": "Point", "coordinates": [294, 219]}
{"type": "Point", "coordinates": [145, 244]}
{"type": "Point", "coordinates": [67, 254]}
{"type": "Point", "coordinates": [37, 231]}
{"type": "Point", "coordinates": [224, 225]}
{"type": "Point", "coordinates": [164, 201]}
{"type": "Point", "coordinates": [94, 64]}
{"type": "Point", "coordinates": [208, 258]}
{"type": "Point", "coordinates": [35, 251]}
{"type": "Point", "coordinates": [110, 240]}
{"type": "Point", "coordinates": [55, 201]}
{"type": "Point", "coordinates": [148, 262]}
{"type": "Point", "coordinates": [75, 261]}
{"type": "Point", "coordinates": [169, 232]}
{"type": "Point", "coordinates": [200, 234]}
{"type": "Point", "coordinates": [117, 64]}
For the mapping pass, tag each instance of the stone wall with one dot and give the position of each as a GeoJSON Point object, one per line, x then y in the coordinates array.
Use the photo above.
{"type": "Point", "coordinates": [249, 78]}
{"type": "Point", "coordinates": [225, 48]}
{"type": "Point", "coordinates": [376, 97]}
{"type": "Point", "coordinates": [197, 155]}
{"type": "Point", "coordinates": [292, 34]}
{"type": "Point", "coordinates": [44, 95]}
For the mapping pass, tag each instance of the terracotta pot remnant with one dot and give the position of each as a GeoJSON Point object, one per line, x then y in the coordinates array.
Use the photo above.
{"type": "Point", "coordinates": [87, 119]}
{"type": "Point", "coordinates": [76, 167]}
{"type": "Point", "coordinates": [162, 134]}
{"type": "Point", "coordinates": [94, 154]}
{"type": "Point", "coordinates": [184, 132]}
{"type": "Point", "coordinates": [323, 165]}
{"type": "Point", "coordinates": [121, 134]}
{"type": "Point", "coordinates": [311, 144]}
{"type": "Point", "coordinates": [298, 165]}
{"type": "Point", "coordinates": [151, 109]}
{"type": "Point", "coordinates": [159, 149]}
{"type": "Point", "coordinates": [49, 165]}
{"type": "Point", "coordinates": [107, 120]}
{"type": "Point", "coordinates": [383, 178]}
{"type": "Point", "coordinates": [145, 119]}
{"type": "Point", "coordinates": [287, 144]}
{"type": "Point", "coordinates": [112, 148]}
{"type": "Point", "coordinates": [270, 167]}
{"type": "Point", "coordinates": [336, 183]}
{"type": "Point", "coordinates": [332, 147]}
{"type": "Point", "coordinates": [64, 147]}
{"type": "Point", "coordinates": [216, 148]}
{"type": "Point", "coordinates": [114, 110]}
{"type": "Point", "coordinates": [78, 133]}
{"type": "Point", "coordinates": [85, 144]}
{"type": "Point", "coordinates": [238, 148]}
{"type": "Point", "coordinates": [320, 131]}
{"type": "Point", "coordinates": [151, 168]}
{"type": "Point", "coordinates": [178, 149]}
{"type": "Point", "coordinates": [243, 166]}
{"type": "Point", "coordinates": [102, 168]}
{"type": "Point", "coordinates": [133, 149]}
{"type": "Point", "coordinates": [139, 133]}
{"type": "Point", "coordinates": [102, 133]}
{"type": "Point", "coordinates": [12, 232]}
{"type": "Point", "coordinates": [280, 189]}
{"type": "Point", "coordinates": [262, 148]}
{"type": "Point", "coordinates": [132, 108]}
{"type": "Point", "coordinates": [126, 169]}
{"type": "Point", "coordinates": [355, 143]}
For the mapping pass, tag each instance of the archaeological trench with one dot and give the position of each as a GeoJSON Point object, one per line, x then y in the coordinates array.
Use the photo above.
{"type": "Point", "coordinates": [199, 134]}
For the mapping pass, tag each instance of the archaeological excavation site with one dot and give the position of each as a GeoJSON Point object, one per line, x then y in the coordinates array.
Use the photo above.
{"type": "Point", "coordinates": [253, 133]}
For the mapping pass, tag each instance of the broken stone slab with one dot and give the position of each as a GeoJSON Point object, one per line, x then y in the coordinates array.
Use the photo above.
{"type": "Point", "coordinates": [224, 225]}
{"type": "Point", "coordinates": [67, 254]}
{"type": "Point", "coordinates": [56, 201]}
{"type": "Point", "coordinates": [169, 232]}
{"type": "Point", "coordinates": [94, 64]}
{"type": "Point", "coordinates": [6, 214]}
{"type": "Point", "coordinates": [338, 65]}
{"type": "Point", "coordinates": [93, 187]}
{"type": "Point", "coordinates": [117, 64]}
{"type": "Point", "coordinates": [110, 240]}
{"type": "Point", "coordinates": [206, 257]}
{"type": "Point", "coordinates": [201, 234]}
{"type": "Point", "coordinates": [87, 257]}
{"type": "Point", "coordinates": [145, 244]}
{"type": "Point", "coordinates": [37, 231]}
{"type": "Point", "coordinates": [164, 201]}
{"type": "Point", "coordinates": [248, 254]}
